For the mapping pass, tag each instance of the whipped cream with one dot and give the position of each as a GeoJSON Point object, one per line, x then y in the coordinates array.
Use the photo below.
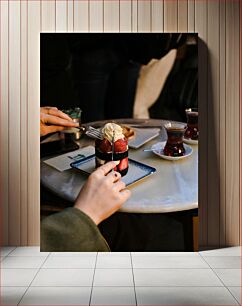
{"type": "Point", "coordinates": [111, 129]}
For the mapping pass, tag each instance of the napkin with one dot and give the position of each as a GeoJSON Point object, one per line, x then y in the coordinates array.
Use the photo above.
{"type": "Point", "coordinates": [142, 136]}
{"type": "Point", "coordinates": [62, 162]}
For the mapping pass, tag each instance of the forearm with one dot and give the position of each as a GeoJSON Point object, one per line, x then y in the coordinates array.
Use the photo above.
{"type": "Point", "coordinates": [72, 231]}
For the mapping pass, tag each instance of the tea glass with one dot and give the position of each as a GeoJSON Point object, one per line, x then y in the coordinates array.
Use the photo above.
{"type": "Point", "coordinates": [174, 145]}
{"type": "Point", "coordinates": [191, 132]}
{"type": "Point", "coordinates": [75, 114]}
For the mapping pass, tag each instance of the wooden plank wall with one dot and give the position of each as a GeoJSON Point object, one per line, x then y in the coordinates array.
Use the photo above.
{"type": "Point", "coordinates": [218, 25]}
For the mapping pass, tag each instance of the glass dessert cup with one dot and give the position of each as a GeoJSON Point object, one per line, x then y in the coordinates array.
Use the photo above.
{"type": "Point", "coordinates": [191, 132]}
{"type": "Point", "coordinates": [174, 145]}
{"type": "Point", "coordinates": [103, 152]}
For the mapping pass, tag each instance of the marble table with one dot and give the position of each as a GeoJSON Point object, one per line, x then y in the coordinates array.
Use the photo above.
{"type": "Point", "coordinates": [173, 187]}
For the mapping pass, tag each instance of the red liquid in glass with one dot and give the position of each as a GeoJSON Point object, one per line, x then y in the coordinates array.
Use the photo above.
{"type": "Point", "coordinates": [192, 126]}
{"type": "Point", "coordinates": [174, 145]}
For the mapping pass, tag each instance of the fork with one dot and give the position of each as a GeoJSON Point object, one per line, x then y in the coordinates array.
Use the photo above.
{"type": "Point", "coordinates": [92, 132]}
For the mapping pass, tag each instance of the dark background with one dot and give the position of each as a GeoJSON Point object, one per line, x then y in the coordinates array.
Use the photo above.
{"type": "Point", "coordinates": [99, 72]}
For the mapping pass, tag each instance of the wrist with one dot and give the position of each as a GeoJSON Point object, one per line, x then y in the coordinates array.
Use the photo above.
{"type": "Point", "coordinates": [92, 215]}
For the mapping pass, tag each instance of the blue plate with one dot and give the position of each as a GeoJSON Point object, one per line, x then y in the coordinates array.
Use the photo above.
{"type": "Point", "coordinates": [137, 171]}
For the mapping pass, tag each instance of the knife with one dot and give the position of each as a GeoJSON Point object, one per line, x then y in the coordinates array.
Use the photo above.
{"type": "Point", "coordinates": [145, 126]}
{"type": "Point", "coordinates": [113, 146]}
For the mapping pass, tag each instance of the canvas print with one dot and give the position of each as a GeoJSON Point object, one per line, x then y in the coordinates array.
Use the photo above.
{"type": "Point", "coordinates": [119, 142]}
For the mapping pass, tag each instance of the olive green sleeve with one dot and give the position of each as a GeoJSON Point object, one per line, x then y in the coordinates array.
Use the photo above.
{"type": "Point", "coordinates": [71, 231]}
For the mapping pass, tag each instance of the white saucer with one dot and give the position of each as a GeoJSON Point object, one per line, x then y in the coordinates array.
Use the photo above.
{"type": "Point", "coordinates": [158, 150]}
{"type": "Point", "coordinates": [190, 141]}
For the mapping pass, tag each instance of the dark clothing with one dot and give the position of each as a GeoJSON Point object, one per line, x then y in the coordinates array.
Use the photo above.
{"type": "Point", "coordinates": [71, 231]}
{"type": "Point", "coordinates": [159, 232]}
{"type": "Point", "coordinates": [180, 90]}
{"type": "Point", "coordinates": [97, 72]}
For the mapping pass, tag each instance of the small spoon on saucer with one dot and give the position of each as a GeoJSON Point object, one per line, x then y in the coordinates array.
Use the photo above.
{"type": "Point", "coordinates": [150, 150]}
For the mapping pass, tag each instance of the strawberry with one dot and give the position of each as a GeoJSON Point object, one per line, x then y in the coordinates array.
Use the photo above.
{"type": "Point", "coordinates": [123, 164]}
{"type": "Point", "coordinates": [105, 146]}
{"type": "Point", "coordinates": [120, 145]}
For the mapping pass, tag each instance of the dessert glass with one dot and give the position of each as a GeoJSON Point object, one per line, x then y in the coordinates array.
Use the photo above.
{"type": "Point", "coordinates": [119, 154]}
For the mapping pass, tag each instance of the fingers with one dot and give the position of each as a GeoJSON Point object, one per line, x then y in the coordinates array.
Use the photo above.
{"type": "Point", "coordinates": [54, 111]}
{"type": "Point", "coordinates": [106, 168]}
{"type": "Point", "coordinates": [125, 194]}
{"type": "Point", "coordinates": [46, 109]}
{"type": "Point", "coordinates": [58, 113]}
{"type": "Point", "coordinates": [113, 176]}
{"type": "Point", "coordinates": [118, 186]}
{"type": "Point", "coordinates": [53, 120]}
{"type": "Point", "coordinates": [53, 129]}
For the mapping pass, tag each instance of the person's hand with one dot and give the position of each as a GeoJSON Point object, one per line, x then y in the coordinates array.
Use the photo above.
{"type": "Point", "coordinates": [103, 194]}
{"type": "Point", "coordinates": [53, 120]}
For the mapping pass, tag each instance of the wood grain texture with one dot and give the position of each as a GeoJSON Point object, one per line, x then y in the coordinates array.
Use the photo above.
{"type": "Point", "coordinates": [201, 28]}
{"type": "Point", "coordinates": [157, 16]}
{"type": "Point", "coordinates": [61, 16]}
{"type": "Point", "coordinates": [213, 113]}
{"type": "Point", "coordinates": [240, 119]}
{"type": "Point", "coordinates": [81, 16]}
{"type": "Point", "coordinates": [144, 16]}
{"type": "Point", "coordinates": [33, 212]}
{"type": "Point", "coordinates": [182, 12]}
{"type": "Point", "coordinates": [70, 16]}
{"type": "Point", "coordinates": [48, 16]}
{"type": "Point", "coordinates": [191, 15]}
{"type": "Point", "coordinates": [222, 123]}
{"type": "Point", "coordinates": [171, 15]}
{"type": "Point", "coordinates": [111, 16]}
{"type": "Point", "coordinates": [134, 20]}
{"type": "Point", "coordinates": [232, 122]}
{"type": "Point", "coordinates": [24, 123]}
{"type": "Point", "coordinates": [125, 21]}
{"type": "Point", "coordinates": [96, 16]}
{"type": "Point", "coordinates": [14, 123]}
{"type": "Point", "coordinates": [4, 124]}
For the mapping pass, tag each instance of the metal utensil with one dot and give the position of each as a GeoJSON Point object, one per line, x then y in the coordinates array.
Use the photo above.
{"type": "Point", "coordinates": [91, 132]}
{"type": "Point", "coordinates": [113, 144]}
{"type": "Point", "coordinates": [145, 126]}
{"type": "Point", "coordinates": [150, 150]}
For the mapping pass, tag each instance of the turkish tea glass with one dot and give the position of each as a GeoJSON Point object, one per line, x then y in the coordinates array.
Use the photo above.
{"type": "Point", "coordinates": [191, 132]}
{"type": "Point", "coordinates": [75, 114]}
{"type": "Point", "coordinates": [174, 146]}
